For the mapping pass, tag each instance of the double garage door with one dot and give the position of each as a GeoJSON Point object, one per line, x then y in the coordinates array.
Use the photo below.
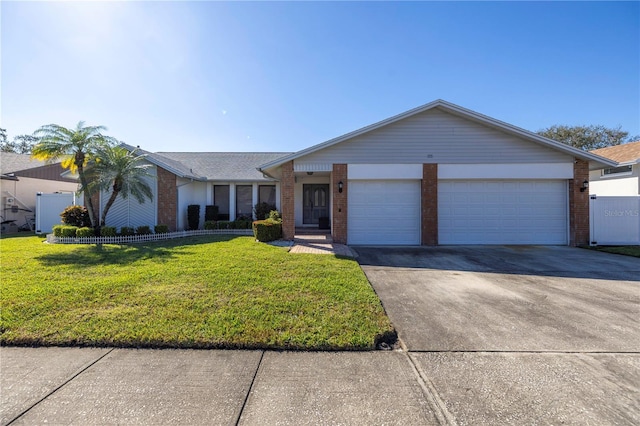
{"type": "Point", "coordinates": [469, 212]}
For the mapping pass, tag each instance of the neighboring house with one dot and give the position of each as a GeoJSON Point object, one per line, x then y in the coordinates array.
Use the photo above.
{"type": "Point", "coordinates": [621, 179]}
{"type": "Point", "coordinates": [21, 178]}
{"type": "Point", "coordinates": [437, 174]}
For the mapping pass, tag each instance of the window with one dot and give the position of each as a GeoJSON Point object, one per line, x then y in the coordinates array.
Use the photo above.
{"type": "Point", "coordinates": [616, 170]}
{"type": "Point", "coordinates": [221, 199]}
{"type": "Point", "coordinates": [267, 194]}
{"type": "Point", "coordinates": [244, 198]}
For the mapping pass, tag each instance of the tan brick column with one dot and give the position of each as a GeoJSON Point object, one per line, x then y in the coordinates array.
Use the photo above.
{"type": "Point", "coordinates": [429, 204]}
{"type": "Point", "coordinates": [579, 205]}
{"type": "Point", "coordinates": [167, 199]}
{"type": "Point", "coordinates": [287, 204]}
{"type": "Point", "coordinates": [339, 200]}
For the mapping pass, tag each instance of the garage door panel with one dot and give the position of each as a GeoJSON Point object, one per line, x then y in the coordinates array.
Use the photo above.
{"type": "Point", "coordinates": [502, 212]}
{"type": "Point", "coordinates": [383, 212]}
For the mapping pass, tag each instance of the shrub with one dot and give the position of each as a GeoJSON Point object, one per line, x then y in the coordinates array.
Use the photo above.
{"type": "Point", "coordinates": [85, 232]}
{"type": "Point", "coordinates": [161, 229]}
{"type": "Point", "coordinates": [241, 223]}
{"type": "Point", "coordinates": [125, 230]}
{"type": "Point", "coordinates": [275, 216]}
{"type": "Point", "coordinates": [143, 230]}
{"type": "Point", "coordinates": [210, 224]}
{"type": "Point", "coordinates": [65, 231]}
{"type": "Point", "coordinates": [107, 231]}
{"type": "Point", "coordinates": [193, 216]}
{"type": "Point", "coordinates": [210, 214]}
{"type": "Point", "coordinates": [223, 224]}
{"type": "Point", "coordinates": [267, 230]}
{"type": "Point", "coordinates": [262, 210]}
{"type": "Point", "coordinates": [76, 216]}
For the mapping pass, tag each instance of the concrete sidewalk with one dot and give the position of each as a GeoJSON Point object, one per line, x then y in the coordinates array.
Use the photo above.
{"type": "Point", "coordinates": [129, 386]}
{"type": "Point", "coordinates": [86, 386]}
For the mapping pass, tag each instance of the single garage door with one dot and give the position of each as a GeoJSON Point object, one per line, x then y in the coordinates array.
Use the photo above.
{"type": "Point", "coordinates": [502, 212]}
{"type": "Point", "coordinates": [383, 212]}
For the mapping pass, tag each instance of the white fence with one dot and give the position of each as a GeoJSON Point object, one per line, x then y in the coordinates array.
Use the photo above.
{"type": "Point", "coordinates": [615, 220]}
{"type": "Point", "coordinates": [127, 239]}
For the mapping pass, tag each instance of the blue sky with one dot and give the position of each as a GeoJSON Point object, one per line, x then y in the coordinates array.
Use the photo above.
{"type": "Point", "coordinates": [219, 76]}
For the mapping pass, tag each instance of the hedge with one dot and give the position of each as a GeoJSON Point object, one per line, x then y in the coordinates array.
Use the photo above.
{"type": "Point", "coordinates": [210, 213]}
{"type": "Point", "coordinates": [126, 230]}
{"type": "Point", "coordinates": [68, 231]}
{"type": "Point", "coordinates": [161, 229]}
{"type": "Point", "coordinates": [267, 230]}
{"type": "Point", "coordinates": [107, 231]}
{"type": "Point", "coordinates": [85, 232]}
{"type": "Point", "coordinates": [143, 230]}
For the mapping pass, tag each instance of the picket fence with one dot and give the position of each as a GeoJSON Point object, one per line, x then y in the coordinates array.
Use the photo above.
{"type": "Point", "coordinates": [129, 239]}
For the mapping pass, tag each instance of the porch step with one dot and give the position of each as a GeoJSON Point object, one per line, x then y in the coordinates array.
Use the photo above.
{"type": "Point", "coordinates": [312, 231]}
{"type": "Point", "coordinates": [313, 238]}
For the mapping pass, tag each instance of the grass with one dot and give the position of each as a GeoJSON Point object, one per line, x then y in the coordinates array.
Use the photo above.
{"type": "Point", "coordinates": [626, 250]}
{"type": "Point", "coordinates": [205, 292]}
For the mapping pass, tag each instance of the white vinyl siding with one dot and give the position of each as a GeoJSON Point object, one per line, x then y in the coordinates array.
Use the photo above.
{"type": "Point", "coordinates": [383, 212]}
{"type": "Point", "coordinates": [435, 136]}
{"type": "Point", "coordinates": [129, 212]}
{"type": "Point", "coordinates": [502, 212]}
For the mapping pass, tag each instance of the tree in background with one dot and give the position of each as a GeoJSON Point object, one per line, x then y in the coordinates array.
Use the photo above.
{"type": "Point", "coordinates": [21, 144]}
{"type": "Point", "coordinates": [75, 147]}
{"type": "Point", "coordinates": [120, 171]}
{"type": "Point", "coordinates": [587, 138]}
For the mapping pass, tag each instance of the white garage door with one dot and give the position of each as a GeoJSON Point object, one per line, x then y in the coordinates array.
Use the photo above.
{"type": "Point", "coordinates": [383, 212]}
{"type": "Point", "coordinates": [502, 212]}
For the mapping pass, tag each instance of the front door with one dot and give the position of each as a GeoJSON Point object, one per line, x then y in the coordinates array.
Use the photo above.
{"type": "Point", "coordinates": [315, 203]}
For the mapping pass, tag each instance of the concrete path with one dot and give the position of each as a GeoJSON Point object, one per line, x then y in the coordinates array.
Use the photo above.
{"type": "Point", "coordinates": [517, 335]}
{"type": "Point", "coordinates": [321, 248]}
{"type": "Point", "coordinates": [76, 386]}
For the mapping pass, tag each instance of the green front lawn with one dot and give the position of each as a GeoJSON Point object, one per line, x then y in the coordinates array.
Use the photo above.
{"type": "Point", "coordinates": [206, 292]}
{"type": "Point", "coordinates": [626, 250]}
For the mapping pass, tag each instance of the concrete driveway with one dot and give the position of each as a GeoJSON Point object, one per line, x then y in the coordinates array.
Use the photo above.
{"type": "Point", "coordinates": [512, 335]}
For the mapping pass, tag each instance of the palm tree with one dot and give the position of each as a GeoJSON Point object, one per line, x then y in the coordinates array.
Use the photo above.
{"type": "Point", "coordinates": [75, 147]}
{"type": "Point", "coordinates": [120, 171]}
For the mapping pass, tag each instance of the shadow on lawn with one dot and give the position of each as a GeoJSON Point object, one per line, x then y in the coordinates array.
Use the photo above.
{"type": "Point", "coordinates": [110, 254]}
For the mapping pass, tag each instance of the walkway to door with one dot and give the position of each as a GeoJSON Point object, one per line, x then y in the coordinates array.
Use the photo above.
{"type": "Point", "coordinates": [317, 241]}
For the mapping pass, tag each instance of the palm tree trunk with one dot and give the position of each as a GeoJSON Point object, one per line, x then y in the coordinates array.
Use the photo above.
{"type": "Point", "coordinates": [87, 197]}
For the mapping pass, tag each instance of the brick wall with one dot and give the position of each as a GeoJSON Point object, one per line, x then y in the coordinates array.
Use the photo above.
{"type": "Point", "coordinates": [579, 205]}
{"type": "Point", "coordinates": [339, 225]}
{"type": "Point", "coordinates": [287, 204]}
{"type": "Point", "coordinates": [167, 199]}
{"type": "Point", "coordinates": [429, 204]}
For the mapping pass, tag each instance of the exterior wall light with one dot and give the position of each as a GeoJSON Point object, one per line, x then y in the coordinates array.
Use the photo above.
{"type": "Point", "coordinates": [340, 186]}
{"type": "Point", "coordinates": [585, 185]}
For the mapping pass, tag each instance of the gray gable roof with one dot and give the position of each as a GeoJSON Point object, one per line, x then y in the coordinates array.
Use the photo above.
{"type": "Point", "coordinates": [11, 162]}
{"type": "Point", "coordinates": [225, 166]}
{"type": "Point", "coordinates": [175, 167]}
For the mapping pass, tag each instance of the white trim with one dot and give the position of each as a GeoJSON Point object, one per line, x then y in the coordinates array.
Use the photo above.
{"type": "Point", "coordinates": [384, 171]}
{"type": "Point", "coordinates": [506, 171]}
{"type": "Point", "coordinates": [311, 167]}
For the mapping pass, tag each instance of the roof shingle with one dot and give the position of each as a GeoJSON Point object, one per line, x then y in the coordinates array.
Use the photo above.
{"type": "Point", "coordinates": [625, 153]}
{"type": "Point", "coordinates": [225, 166]}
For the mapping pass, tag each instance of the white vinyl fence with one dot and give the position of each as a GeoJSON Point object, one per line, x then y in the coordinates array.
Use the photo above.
{"type": "Point", "coordinates": [615, 220]}
{"type": "Point", "coordinates": [128, 239]}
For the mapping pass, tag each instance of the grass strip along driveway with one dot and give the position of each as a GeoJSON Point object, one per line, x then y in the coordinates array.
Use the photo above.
{"type": "Point", "coordinates": [204, 292]}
